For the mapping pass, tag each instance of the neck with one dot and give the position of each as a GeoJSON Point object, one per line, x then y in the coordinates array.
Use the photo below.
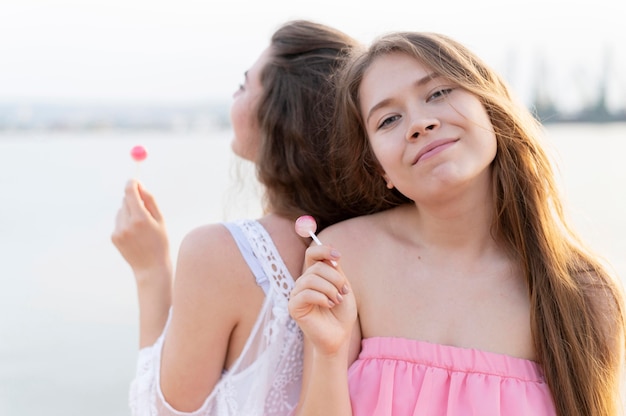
{"type": "Point", "coordinates": [460, 220]}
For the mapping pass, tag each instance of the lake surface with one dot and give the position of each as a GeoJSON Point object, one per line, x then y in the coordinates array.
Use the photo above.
{"type": "Point", "coordinates": [68, 326]}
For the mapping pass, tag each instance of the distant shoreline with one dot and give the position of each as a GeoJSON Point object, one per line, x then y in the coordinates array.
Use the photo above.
{"type": "Point", "coordinates": [98, 117]}
{"type": "Point", "coordinates": [202, 117]}
{"type": "Point", "coordinates": [588, 115]}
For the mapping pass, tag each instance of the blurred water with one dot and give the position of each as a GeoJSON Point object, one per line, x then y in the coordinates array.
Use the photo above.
{"type": "Point", "coordinates": [68, 314]}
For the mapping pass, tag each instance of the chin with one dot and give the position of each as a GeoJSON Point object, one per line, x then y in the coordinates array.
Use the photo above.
{"type": "Point", "coordinates": [242, 153]}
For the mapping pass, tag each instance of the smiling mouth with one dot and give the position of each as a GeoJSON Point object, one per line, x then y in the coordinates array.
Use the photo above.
{"type": "Point", "coordinates": [433, 148]}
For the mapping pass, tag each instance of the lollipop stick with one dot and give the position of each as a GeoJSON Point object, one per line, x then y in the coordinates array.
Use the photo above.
{"type": "Point", "coordinates": [314, 237]}
{"type": "Point", "coordinates": [137, 170]}
{"type": "Point", "coordinates": [305, 227]}
{"type": "Point", "coordinates": [319, 243]}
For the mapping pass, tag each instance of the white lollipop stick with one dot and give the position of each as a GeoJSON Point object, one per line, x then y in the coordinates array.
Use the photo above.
{"type": "Point", "coordinates": [314, 237]}
{"type": "Point", "coordinates": [305, 227]}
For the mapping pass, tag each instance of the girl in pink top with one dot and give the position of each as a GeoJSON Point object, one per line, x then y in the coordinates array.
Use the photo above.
{"type": "Point", "coordinates": [472, 296]}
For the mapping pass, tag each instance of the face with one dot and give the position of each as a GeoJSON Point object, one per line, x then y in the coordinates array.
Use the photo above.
{"type": "Point", "coordinates": [429, 135]}
{"type": "Point", "coordinates": [243, 112]}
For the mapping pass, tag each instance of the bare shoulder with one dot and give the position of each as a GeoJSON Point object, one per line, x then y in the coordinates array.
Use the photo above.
{"type": "Point", "coordinates": [358, 232]}
{"type": "Point", "coordinates": [197, 240]}
{"type": "Point", "coordinates": [360, 240]}
{"type": "Point", "coordinates": [210, 261]}
{"type": "Point", "coordinates": [209, 326]}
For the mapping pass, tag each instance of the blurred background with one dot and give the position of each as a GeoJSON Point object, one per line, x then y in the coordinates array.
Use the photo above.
{"type": "Point", "coordinates": [81, 82]}
{"type": "Point", "coordinates": [97, 63]}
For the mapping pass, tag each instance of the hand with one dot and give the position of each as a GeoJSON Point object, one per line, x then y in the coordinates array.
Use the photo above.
{"type": "Point", "coordinates": [322, 302]}
{"type": "Point", "coordinates": [140, 234]}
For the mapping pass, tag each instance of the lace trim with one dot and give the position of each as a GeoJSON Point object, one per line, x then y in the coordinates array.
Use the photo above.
{"type": "Point", "coordinates": [281, 328]}
{"type": "Point", "coordinates": [273, 264]}
{"type": "Point", "coordinates": [265, 380]}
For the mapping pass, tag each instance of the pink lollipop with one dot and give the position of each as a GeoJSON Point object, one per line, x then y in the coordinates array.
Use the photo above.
{"type": "Point", "coordinates": [138, 153]}
{"type": "Point", "coordinates": [305, 227]}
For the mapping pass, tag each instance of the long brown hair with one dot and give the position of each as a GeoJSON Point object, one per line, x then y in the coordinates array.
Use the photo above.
{"type": "Point", "coordinates": [577, 307]}
{"type": "Point", "coordinates": [294, 114]}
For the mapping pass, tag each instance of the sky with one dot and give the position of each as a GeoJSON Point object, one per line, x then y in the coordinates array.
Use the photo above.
{"type": "Point", "coordinates": [180, 51]}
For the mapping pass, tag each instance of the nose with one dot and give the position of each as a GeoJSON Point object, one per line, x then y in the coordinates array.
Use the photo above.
{"type": "Point", "coordinates": [421, 125]}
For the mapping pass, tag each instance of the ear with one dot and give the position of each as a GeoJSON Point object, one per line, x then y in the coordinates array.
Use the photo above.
{"type": "Point", "coordinates": [388, 181]}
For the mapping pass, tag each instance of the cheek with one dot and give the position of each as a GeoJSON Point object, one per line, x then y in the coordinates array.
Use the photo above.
{"type": "Point", "coordinates": [490, 143]}
{"type": "Point", "coordinates": [237, 116]}
{"type": "Point", "coordinates": [245, 130]}
{"type": "Point", "coordinates": [386, 153]}
{"type": "Point", "coordinates": [493, 148]}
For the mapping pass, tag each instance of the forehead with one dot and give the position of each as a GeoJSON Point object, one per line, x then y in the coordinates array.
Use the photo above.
{"type": "Point", "coordinates": [254, 72]}
{"type": "Point", "coordinates": [395, 63]}
{"type": "Point", "coordinates": [388, 75]}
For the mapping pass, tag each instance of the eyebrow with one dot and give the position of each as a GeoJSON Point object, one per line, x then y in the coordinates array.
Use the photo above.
{"type": "Point", "coordinates": [419, 83]}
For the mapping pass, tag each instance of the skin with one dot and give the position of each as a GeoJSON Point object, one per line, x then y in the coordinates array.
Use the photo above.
{"type": "Point", "coordinates": [140, 235]}
{"type": "Point", "coordinates": [208, 327]}
{"type": "Point", "coordinates": [245, 125]}
{"type": "Point", "coordinates": [447, 279]}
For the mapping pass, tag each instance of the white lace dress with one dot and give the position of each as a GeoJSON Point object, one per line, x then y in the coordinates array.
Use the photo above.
{"type": "Point", "coordinates": [266, 378]}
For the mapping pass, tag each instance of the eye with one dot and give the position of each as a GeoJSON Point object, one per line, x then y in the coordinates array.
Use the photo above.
{"type": "Point", "coordinates": [441, 93]}
{"type": "Point", "coordinates": [387, 121]}
{"type": "Point", "coordinates": [242, 86]}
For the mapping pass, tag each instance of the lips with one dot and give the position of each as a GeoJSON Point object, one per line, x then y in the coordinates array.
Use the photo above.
{"type": "Point", "coordinates": [433, 148]}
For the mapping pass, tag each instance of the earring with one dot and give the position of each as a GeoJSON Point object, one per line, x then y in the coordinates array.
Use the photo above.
{"type": "Point", "coordinates": [389, 185]}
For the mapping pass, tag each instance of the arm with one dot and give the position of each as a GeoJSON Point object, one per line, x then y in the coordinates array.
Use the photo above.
{"type": "Point", "coordinates": [332, 337]}
{"type": "Point", "coordinates": [177, 374]}
{"type": "Point", "coordinates": [141, 238]}
{"type": "Point", "coordinates": [211, 285]}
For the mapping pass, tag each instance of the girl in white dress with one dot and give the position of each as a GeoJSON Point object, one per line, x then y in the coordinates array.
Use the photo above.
{"type": "Point", "coordinates": [216, 338]}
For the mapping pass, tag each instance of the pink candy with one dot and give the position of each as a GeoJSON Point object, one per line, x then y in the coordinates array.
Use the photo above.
{"type": "Point", "coordinates": [306, 226]}
{"type": "Point", "coordinates": [138, 153]}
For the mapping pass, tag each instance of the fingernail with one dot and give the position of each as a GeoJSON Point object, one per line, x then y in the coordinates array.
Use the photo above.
{"type": "Point", "coordinates": [335, 254]}
{"type": "Point", "coordinates": [339, 298]}
{"type": "Point", "coordinates": [345, 290]}
{"type": "Point", "coordinates": [331, 303]}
